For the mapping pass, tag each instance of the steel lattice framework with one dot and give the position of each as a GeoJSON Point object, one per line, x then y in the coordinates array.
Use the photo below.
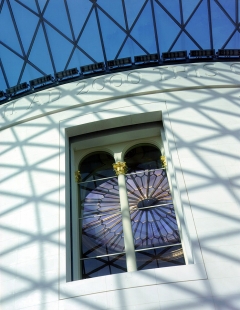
{"type": "Point", "coordinates": [40, 37]}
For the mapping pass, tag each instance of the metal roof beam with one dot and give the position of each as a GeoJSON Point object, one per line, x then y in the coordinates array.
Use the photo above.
{"type": "Point", "coordinates": [128, 33]}
{"type": "Point", "coordinates": [100, 34]}
{"type": "Point", "coordinates": [69, 20]}
{"type": "Point", "coordinates": [15, 27]}
{"type": "Point", "coordinates": [181, 12]}
{"type": "Point", "coordinates": [225, 12]}
{"type": "Point", "coordinates": [236, 24]}
{"type": "Point", "coordinates": [20, 56]}
{"type": "Point", "coordinates": [1, 5]}
{"type": "Point", "coordinates": [4, 73]}
{"type": "Point", "coordinates": [45, 32]}
{"type": "Point", "coordinates": [155, 27]}
{"type": "Point", "coordinates": [78, 38]}
{"type": "Point", "coordinates": [26, 59]}
{"type": "Point", "coordinates": [182, 26]}
{"type": "Point", "coordinates": [125, 15]}
{"type": "Point", "coordinates": [210, 23]}
{"type": "Point", "coordinates": [67, 38]}
{"type": "Point", "coordinates": [29, 51]}
{"type": "Point", "coordinates": [236, 11]}
{"type": "Point", "coordinates": [229, 38]}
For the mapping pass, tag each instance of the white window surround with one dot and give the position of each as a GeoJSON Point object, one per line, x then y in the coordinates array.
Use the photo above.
{"type": "Point", "coordinates": [117, 149]}
{"type": "Point", "coordinates": [135, 114]}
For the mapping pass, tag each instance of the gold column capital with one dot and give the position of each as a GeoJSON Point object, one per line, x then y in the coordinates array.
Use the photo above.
{"type": "Point", "coordinates": [164, 161]}
{"type": "Point", "coordinates": [78, 178]}
{"type": "Point", "coordinates": [120, 168]}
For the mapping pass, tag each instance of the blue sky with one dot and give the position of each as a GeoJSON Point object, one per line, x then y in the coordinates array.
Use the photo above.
{"type": "Point", "coordinates": [46, 36]}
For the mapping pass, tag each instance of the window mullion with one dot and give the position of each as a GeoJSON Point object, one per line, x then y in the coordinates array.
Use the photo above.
{"type": "Point", "coordinates": [120, 169]}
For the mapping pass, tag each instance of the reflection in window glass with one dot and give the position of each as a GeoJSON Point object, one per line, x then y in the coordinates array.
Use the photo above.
{"type": "Point", "coordinates": [153, 216]}
{"type": "Point", "coordinates": [143, 157]}
{"type": "Point", "coordinates": [152, 212]}
{"type": "Point", "coordinates": [103, 266]}
{"type": "Point", "coordinates": [97, 166]}
{"type": "Point", "coordinates": [160, 257]}
{"type": "Point", "coordinates": [155, 230]}
{"type": "Point", "coordinates": [100, 220]}
{"type": "Point", "coordinates": [99, 197]}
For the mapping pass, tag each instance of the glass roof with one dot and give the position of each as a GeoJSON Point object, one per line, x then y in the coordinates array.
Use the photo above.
{"type": "Point", "coordinates": [40, 37]}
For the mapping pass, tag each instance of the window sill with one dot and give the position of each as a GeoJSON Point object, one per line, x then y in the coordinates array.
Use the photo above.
{"type": "Point", "coordinates": [133, 279]}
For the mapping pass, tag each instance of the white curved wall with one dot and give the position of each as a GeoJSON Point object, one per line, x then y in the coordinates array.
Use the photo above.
{"type": "Point", "coordinates": [200, 108]}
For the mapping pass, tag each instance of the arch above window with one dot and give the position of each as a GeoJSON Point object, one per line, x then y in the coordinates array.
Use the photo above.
{"type": "Point", "coordinates": [96, 165]}
{"type": "Point", "coordinates": [143, 157]}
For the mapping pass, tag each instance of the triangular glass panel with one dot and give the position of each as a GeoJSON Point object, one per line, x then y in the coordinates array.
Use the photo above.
{"type": "Point", "coordinates": [184, 43]}
{"type": "Point", "coordinates": [59, 20]}
{"type": "Point", "coordinates": [78, 59]}
{"type": "Point", "coordinates": [90, 40]}
{"type": "Point", "coordinates": [167, 29]}
{"type": "Point", "coordinates": [42, 4]}
{"type": "Point", "coordinates": [229, 7]}
{"type": "Point", "coordinates": [132, 10]}
{"type": "Point", "coordinates": [113, 36]}
{"type": "Point", "coordinates": [234, 42]}
{"type": "Point", "coordinates": [79, 11]}
{"type": "Point", "coordinates": [30, 4]}
{"type": "Point", "coordinates": [39, 55]}
{"type": "Point", "coordinates": [188, 8]}
{"type": "Point", "coordinates": [221, 25]}
{"type": "Point", "coordinates": [8, 33]}
{"type": "Point", "coordinates": [26, 23]}
{"type": "Point", "coordinates": [143, 31]}
{"type": "Point", "coordinates": [12, 65]}
{"type": "Point", "coordinates": [130, 49]}
{"type": "Point", "coordinates": [30, 73]}
{"type": "Point", "coordinates": [114, 9]}
{"type": "Point", "coordinates": [3, 84]}
{"type": "Point", "coordinates": [173, 8]}
{"type": "Point", "coordinates": [60, 48]}
{"type": "Point", "coordinates": [198, 26]}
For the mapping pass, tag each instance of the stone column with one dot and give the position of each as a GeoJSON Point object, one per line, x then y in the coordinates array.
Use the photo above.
{"type": "Point", "coordinates": [121, 168]}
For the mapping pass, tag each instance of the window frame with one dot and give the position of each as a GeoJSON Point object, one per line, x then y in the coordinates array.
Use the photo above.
{"type": "Point", "coordinates": [118, 152]}
{"type": "Point", "coordinates": [194, 270]}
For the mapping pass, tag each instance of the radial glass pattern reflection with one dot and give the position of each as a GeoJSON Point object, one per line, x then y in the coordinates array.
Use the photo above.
{"type": "Point", "coordinates": [152, 212]}
{"type": "Point", "coordinates": [154, 225]}
{"type": "Point", "coordinates": [101, 219]}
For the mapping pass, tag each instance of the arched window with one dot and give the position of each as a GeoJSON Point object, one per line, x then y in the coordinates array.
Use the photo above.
{"type": "Point", "coordinates": [155, 231]}
{"type": "Point", "coordinates": [100, 226]}
{"type": "Point", "coordinates": [120, 234]}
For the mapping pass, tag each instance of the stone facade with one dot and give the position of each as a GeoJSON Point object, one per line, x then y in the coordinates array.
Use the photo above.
{"type": "Point", "coordinates": [199, 105]}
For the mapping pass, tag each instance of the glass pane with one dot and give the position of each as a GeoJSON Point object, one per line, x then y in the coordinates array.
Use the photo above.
{"type": "Point", "coordinates": [103, 266]}
{"type": "Point", "coordinates": [162, 257]}
{"type": "Point", "coordinates": [101, 235]}
{"type": "Point", "coordinates": [99, 197]}
{"type": "Point", "coordinates": [143, 157]}
{"type": "Point", "coordinates": [152, 212]}
{"type": "Point", "coordinates": [153, 227]}
{"type": "Point", "coordinates": [97, 166]}
{"type": "Point", "coordinates": [148, 188]}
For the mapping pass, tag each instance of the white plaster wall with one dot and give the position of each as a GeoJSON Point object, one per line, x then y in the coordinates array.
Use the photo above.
{"type": "Point", "coordinates": [201, 109]}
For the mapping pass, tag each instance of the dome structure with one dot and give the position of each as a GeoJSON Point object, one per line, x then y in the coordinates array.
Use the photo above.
{"type": "Point", "coordinates": [49, 37]}
{"type": "Point", "coordinates": [119, 154]}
